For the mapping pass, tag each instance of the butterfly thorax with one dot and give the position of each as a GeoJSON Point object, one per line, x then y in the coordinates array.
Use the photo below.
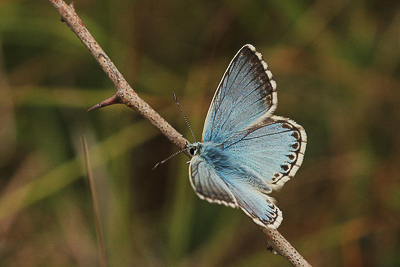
{"type": "Point", "coordinates": [213, 153]}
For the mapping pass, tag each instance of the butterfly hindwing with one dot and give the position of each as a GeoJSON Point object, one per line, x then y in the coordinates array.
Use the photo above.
{"type": "Point", "coordinates": [245, 93]}
{"type": "Point", "coordinates": [257, 205]}
{"type": "Point", "coordinates": [274, 148]}
{"type": "Point", "coordinates": [234, 186]}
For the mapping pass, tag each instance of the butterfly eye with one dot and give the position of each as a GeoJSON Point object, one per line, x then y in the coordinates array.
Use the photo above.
{"type": "Point", "coordinates": [192, 151]}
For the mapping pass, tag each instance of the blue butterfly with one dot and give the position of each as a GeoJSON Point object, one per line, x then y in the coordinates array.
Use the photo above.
{"type": "Point", "coordinates": [246, 152]}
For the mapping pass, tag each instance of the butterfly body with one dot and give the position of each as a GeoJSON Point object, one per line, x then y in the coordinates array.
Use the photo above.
{"type": "Point", "coordinates": [214, 154]}
{"type": "Point", "coordinates": [246, 152]}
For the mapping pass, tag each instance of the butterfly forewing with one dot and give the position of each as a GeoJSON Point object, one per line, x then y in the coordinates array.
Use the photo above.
{"type": "Point", "coordinates": [208, 185]}
{"type": "Point", "coordinates": [245, 93]}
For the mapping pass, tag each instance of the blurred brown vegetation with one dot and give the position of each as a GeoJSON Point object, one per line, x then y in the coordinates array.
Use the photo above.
{"type": "Point", "coordinates": [337, 66]}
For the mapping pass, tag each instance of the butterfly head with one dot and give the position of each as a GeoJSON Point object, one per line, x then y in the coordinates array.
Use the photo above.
{"type": "Point", "coordinates": [193, 148]}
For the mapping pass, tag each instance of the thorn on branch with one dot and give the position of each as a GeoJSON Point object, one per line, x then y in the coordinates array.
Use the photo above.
{"type": "Point", "coordinates": [109, 101]}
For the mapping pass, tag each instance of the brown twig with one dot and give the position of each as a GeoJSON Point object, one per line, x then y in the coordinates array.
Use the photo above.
{"type": "Point", "coordinates": [126, 95]}
{"type": "Point", "coordinates": [284, 248]}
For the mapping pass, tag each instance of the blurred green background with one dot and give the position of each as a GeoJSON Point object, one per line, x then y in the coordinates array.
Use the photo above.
{"type": "Point", "coordinates": [337, 66]}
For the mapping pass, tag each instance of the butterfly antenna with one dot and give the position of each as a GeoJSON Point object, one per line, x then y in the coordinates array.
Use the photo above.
{"type": "Point", "coordinates": [173, 155]}
{"type": "Point", "coordinates": [184, 117]}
